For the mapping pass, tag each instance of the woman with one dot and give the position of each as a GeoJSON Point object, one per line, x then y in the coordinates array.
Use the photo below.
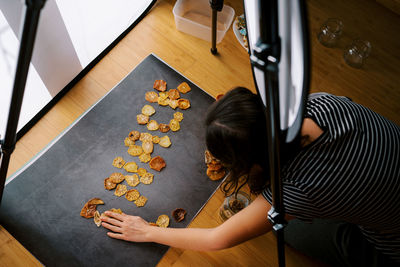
{"type": "Point", "coordinates": [342, 174]}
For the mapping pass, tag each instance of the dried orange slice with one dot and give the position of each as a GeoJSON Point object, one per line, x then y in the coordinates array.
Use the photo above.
{"type": "Point", "coordinates": [163, 127]}
{"type": "Point", "coordinates": [116, 177]}
{"type": "Point", "coordinates": [132, 195]}
{"type": "Point", "coordinates": [135, 150]}
{"type": "Point", "coordinates": [163, 102]}
{"type": "Point", "coordinates": [141, 171]}
{"type": "Point", "coordinates": [178, 116]}
{"type": "Point", "coordinates": [146, 137]}
{"type": "Point", "coordinates": [96, 218]}
{"type": "Point", "coordinates": [163, 220]}
{"type": "Point", "coordinates": [183, 103]}
{"type": "Point", "coordinates": [89, 208]}
{"type": "Point", "coordinates": [141, 201]}
{"type": "Point", "coordinates": [174, 125]}
{"type": "Point", "coordinates": [160, 85]}
{"type": "Point", "coordinates": [118, 162]}
{"type": "Point", "coordinates": [152, 125]}
{"type": "Point", "coordinates": [207, 157]}
{"type": "Point", "coordinates": [145, 158]}
{"type": "Point", "coordinates": [134, 135]}
{"type": "Point", "coordinates": [131, 166]}
{"type": "Point", "coordinates": [179, 214]}
{"type": "Point", "coordinates": [120, 190]}
{"type": "Point", "coordinates": [216, 175]}
{"type": "Point", "coordinates": [165, 141]}
{"type": "Point", "coordinates": [157, 163]}
{"type": "Point", "coordinates": [152, 97]}
{"type": "Point", "coordinates": [147, 178]}
{"type": "Point", "coordinates": [142, 119]}
{"type": "Point", "coordinates": [184, 87]}
{"type": "Point", "coordinates": [132, 180]}
{"type": "Point", "coordinates": [163, 95]}
{"type": "Point", "coordinates": [173, 103]}
{"type": "Point", "coordinates": [147, 147]}
{"type": "Point", "coordinates": [128, 142]}
{"type": "Point", "coordinates": [108, 184]}
{"type": "Point", "coordinates": [116, 210]}
{"type": "Point", "coordinates": [173, 94]}
{"type": "Point", "coordinates": [148, 110]}
{"type": "Point", "coordinates": [156, 139]}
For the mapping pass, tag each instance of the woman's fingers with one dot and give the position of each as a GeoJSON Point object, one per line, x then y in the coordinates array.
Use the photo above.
{"type": "Point", "coordinates": [115, 235]}
{"type": "Point", "coordinates": [111, 220]}
{"type": "Point", "coordinates": [115, 215]}
{"type": "Point", "coordinates": [111, 227]}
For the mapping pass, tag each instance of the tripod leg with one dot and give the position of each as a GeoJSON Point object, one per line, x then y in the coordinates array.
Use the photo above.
{"type": "Point", "coordinates": [24, 58]}
{"type": "Point", "coordinates": [214, 32]}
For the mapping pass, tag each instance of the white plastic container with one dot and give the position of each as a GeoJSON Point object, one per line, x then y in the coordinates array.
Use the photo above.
{"type": "Point", "coordinates": [194, 17]}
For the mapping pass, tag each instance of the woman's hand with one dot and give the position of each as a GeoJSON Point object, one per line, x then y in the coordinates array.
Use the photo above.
{"type": "Point", "coordinates": [125, 227]}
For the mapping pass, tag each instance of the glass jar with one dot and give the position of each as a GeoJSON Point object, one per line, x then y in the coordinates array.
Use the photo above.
{"type": "Point", "coordinates": [233, 204]}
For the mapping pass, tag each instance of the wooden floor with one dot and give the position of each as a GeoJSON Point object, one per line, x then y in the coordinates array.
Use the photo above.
{"type": "Point", "coordinates": [375, 86]}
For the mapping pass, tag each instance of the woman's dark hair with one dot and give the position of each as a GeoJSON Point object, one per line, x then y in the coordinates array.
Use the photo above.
{"type": "Point", "coordinates": [236, 135]}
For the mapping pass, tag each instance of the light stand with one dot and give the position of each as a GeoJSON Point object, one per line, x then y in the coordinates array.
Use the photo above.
{"type": "Point", "coordinates": [276, 37]}
{"type": "Point", "coordinates": [216, 6]}
{"type": "Point", "coordinates": [7, 145]}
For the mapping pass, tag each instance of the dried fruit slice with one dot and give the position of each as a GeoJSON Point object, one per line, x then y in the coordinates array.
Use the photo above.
{"type": "Point", "coordinates": [116, 177]}
{"type": "Point", "coordinates": [157, 163]}
{"type": "Point", "coordinates": [216, 175]}
{"type": "Point", "coordinates": [152, 97]}
{"type": "Point", "coordinates": [153, 224]}
{"type": "Point", "coordinates": [184, 87]}
{"type": "Point", "coordinates": [163, 220]}
{"type": "Point", "coordinates": [219, 96]}
{"type": "Point", "coordinates": [128, 142]}
{"type": "Point", "coordinates": [118, 162]}
{"type": "Point", "coordinates": [163, 95]}
{"type": "Point", "coordinates": [147, 178]}
{"type": "Point", "coordinates": [174, 125]}
{"type": "Point", "coordinates": [116, 210]}
{"type": "Point", "coordinates": [165, 141]}
{"type": "Point", "coordinates": [134, 135]}
{"type": "Point", "coordinates": [214, 165]}
{"type": "Point", "coordinates": [108, 184]}
{"type": "Point", "coordinates": [152, 125]}
{"type": "Point", "coordinates": [141, 201]}
{"type": "Point", "coordinates": [132, 180]}
{"type": "Point", "coordinates": [142, 119]}
{"type": "Point", "coordinates": [135, 150]}
{"type": "Point", "coordinates": [178, 116]}
{"type": "Point", "coordinates": [173, 94]}
{"type": "Point", "coordinates": [121, 189]}
{"type": "Point", "coordinates": [179, 214]}
{"type": "Point", "coordinates": [141, 171]}
{"type": "Point", "coordinates": [89, 208]}
{"type": "Point", "coordinates": [148, 110]}
{"type": "Point", "coordinates": [96, 218]}
{"type": "Point", "coordinates": [183, 103]}
{"type": "Point", "coordinates": [147, 147]}
{"type": "Point", "coordinates": [163, 127]}
{"type": "Point", "coordinates": [156, 139]}
{"type": "Point", "coordinates": [173, 103]}
{"type": "Point", "coordinates": [163, 102]}
{"type": "Point", "coordinates": [145, 158]}
{"type": "Point", "coordinates": [207, 157]}
{"type": "Point", "coordinates": [146, 137]}
{"type": "Point", "coordinates": [132, 195]}
{"type": "Point", "coordinates": [131, 166]}
{"type": "Point", "coordinates": [160, 85]}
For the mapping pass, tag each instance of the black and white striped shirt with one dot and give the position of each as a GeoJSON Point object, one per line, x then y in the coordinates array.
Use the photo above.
{"type": "Point", "coordinates": [351, 172]}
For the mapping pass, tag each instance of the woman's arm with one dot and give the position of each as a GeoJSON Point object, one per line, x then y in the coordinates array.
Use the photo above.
{"type": "Point", "coordinates": [250, 222]}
